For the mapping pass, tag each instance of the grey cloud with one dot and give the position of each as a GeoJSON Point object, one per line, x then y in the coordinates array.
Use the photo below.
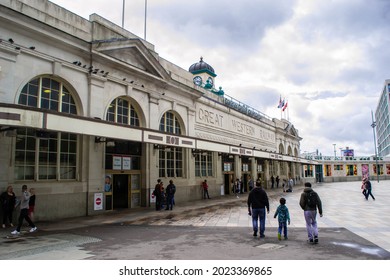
{"type": "Point", "coordinates": [348, 19]}
{"type": "Point", "coordinates": [240, 23]}
{"type": "Point", "coordinates": [321, 95]}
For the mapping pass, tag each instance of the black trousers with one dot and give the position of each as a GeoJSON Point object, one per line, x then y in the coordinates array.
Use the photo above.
{"type": "Point", "coordinates": [24, 216]}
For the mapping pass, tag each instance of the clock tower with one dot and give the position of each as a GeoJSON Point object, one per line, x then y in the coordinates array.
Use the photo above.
{"type": "Point", "coordinates": [204, 75]}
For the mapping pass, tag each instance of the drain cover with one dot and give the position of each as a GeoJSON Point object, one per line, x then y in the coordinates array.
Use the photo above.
{"type": "Point", "coordinates": [270, 246]}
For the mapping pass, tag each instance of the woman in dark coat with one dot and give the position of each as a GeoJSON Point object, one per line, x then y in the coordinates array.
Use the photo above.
{"type": "Point", "coordinates": [8, 200]}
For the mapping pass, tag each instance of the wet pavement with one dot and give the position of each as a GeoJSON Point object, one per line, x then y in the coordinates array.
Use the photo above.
{"type": "Point", "coordinates": [219, 228]}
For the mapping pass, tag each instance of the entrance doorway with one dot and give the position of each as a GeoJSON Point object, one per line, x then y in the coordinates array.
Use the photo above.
{"type": "Point", "coordinates": [120, 190]}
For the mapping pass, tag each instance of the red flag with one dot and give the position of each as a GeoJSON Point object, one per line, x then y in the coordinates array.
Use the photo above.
{"type": "Point", "coordinates": [285, 106]}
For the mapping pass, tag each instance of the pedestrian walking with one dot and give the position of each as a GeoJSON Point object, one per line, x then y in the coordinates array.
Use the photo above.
{"type": "Point", "coordinates": [237, 187]}
{"type": "Point", "coordinates": [205, 189]}
{"type": "Point", "coordinates": [272, 181]}
{"type": "Point", "coordinates": [283, 218]}
{"type": "Point", "coordinates": [24, 200]}
{"type": "Point", "coordinates": [310, 202]}
{"type": "Point", "coordinates": [257, 205]}
{"type": "Point", "coordinates": [277, 181]}
{"type": "Point", "coordinates": [250, 183]}
{"type": "Point", "coordinates": [364, 191]}
{"type": "Point", "coordinates": [31, 204]}
{"type": "Point", "coordinates": [8, 200]}
{"type": "Point", "coordinates": [368, 188]}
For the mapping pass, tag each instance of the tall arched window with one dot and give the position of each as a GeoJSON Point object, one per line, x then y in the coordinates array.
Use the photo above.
{"type": "Point", "coordinates": [46, 155]}
{"type": "Point", "coordinates": [122, 111]}
{"type": "Point", "coordinates": [171, 158]}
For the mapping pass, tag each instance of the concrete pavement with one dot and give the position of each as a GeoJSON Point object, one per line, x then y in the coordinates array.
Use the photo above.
{"type": "Point", "coordinates": [345, 210]}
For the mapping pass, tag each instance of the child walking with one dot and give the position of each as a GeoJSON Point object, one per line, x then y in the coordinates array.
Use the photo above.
{"type": "Point", "coordinates": [283, 217]}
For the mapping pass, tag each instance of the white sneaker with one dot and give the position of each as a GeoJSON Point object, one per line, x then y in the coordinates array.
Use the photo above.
{"type": "Point", "coordinates": [33, 229]}
{"type": "Point", "coordinates": [15, 232]}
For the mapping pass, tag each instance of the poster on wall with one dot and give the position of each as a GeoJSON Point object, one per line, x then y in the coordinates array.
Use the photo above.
{"type": "Point", "coordinates": [107, 183]}
{"type": "Point", "coordinates": [388, 169]}
{"type": "Point", "coordinates": [365, 171]}
{"type": "Point", "coordinates": [126, 163]}
{"type": "Point", "coordinates": [116, 163]}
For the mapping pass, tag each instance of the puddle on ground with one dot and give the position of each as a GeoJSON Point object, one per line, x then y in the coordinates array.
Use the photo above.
{"type": "Point", "coordinates": [363, 249]}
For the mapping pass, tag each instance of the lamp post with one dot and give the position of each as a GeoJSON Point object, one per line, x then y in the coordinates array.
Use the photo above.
{"type": "Point", "coordinates": [373, 125]}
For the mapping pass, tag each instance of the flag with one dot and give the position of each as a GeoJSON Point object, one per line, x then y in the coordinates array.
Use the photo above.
{"type": "Point", "coordinates": [281, 103]}
{"type": "Point", "coordinates": [285, 106]}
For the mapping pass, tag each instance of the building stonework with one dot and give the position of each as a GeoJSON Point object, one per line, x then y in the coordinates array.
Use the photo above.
{"type": "Point", "coordinates": [91, 116]}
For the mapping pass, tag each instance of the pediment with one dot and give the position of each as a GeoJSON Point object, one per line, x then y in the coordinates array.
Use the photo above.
{"type": "Point", "coordinates": [133, 53]}
{"type": "Point", "coordinates": [290, 129]}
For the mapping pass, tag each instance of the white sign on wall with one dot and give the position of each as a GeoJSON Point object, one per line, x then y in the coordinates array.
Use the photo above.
{"type": "Point", "coordinates": [98, 201]}
{"type": "Point", "coordinates": [126, 161]}
{"type": "Point", "coordinates": [116, 163]}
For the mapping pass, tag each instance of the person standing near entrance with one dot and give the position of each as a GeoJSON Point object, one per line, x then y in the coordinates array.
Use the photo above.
{"type": "Point", "coordinates": [24, 201]}
{"type": "Point", "coordinates": [272, 181]}
{"type": "Point", "coordinates": [157, 194]}
{"type": "Point", "coordinates": [205, 189]}
{"type": "Point", "coordinates": [258, 203]}
{"type": "Point", "coordinates": [8, 200]}
{"type": "Point", "coordinates": [277, 181]}
{"type": "Point", "coordinates": [170, 194]}
{"type": "Point", "coordinates": [309, 203]}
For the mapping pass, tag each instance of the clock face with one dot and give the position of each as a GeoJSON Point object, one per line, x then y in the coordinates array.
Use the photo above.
{"type": "Point", "coordinates": [210, 81]}
{"type": "Point", "coordinates": [197, 80]}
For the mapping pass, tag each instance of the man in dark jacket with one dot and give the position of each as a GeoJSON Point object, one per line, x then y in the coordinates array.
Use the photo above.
{"type": "Point", "coordinates": [309, 203]}
{"type": "Point", "coordinates": [170, 194]}
{"type": "Point", "coordinates": [258, 201]}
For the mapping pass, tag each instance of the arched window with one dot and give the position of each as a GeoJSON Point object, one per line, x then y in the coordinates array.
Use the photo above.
{"type": "Point", "coordinates": [170, 158]}
{"type": "Point", "coordinates": [122, 111]}
{"type": "Point", "coordinates": [42, 155]}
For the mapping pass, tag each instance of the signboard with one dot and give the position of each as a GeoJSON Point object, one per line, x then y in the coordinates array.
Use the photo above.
{"type": "Point", "coordinates": [348, 152]}
{"type": "Point", "coordinates": [126, 161]}
{"type": "Point", "coordinates": [117, 163]}
{"type": "Point", "coordinates": [98, 201]}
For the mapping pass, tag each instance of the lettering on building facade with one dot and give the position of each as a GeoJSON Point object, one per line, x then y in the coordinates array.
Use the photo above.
{"type": "Point", "coordinates": [209, 117]}
{"type": "Point", "coordinates": [213, 118]}
{"type": "Point", "coordinates": [243, 128]}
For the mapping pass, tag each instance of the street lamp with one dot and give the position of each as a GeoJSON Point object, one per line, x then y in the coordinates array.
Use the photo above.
{"type": "Point", "coordinates": [373, 125]}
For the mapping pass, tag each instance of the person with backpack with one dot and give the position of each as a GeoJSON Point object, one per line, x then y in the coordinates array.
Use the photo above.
{"type": "Point", "coordinates": [310, 202]}
{"type": "Point", "coordinates": [283, 218]}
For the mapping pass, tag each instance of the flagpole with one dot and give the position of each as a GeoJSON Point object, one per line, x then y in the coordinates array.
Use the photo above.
{"type": "Point", "coordinates": [146, 6]}
{"type": "Point", "coordinates": [123, 14]}
{"type": "Point", "coordinates": [288, 113]}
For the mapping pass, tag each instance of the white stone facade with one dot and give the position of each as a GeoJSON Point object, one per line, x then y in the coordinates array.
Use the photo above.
{"type": "Point", "coordinates": [96, 65]}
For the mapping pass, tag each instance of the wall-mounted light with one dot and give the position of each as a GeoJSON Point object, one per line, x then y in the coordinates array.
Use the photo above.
{"type": "Point", "coordinates": [109, 143]}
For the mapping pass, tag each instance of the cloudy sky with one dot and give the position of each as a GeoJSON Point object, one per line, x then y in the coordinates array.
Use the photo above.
{"type": "Point", "coordinates": [329, 59]}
